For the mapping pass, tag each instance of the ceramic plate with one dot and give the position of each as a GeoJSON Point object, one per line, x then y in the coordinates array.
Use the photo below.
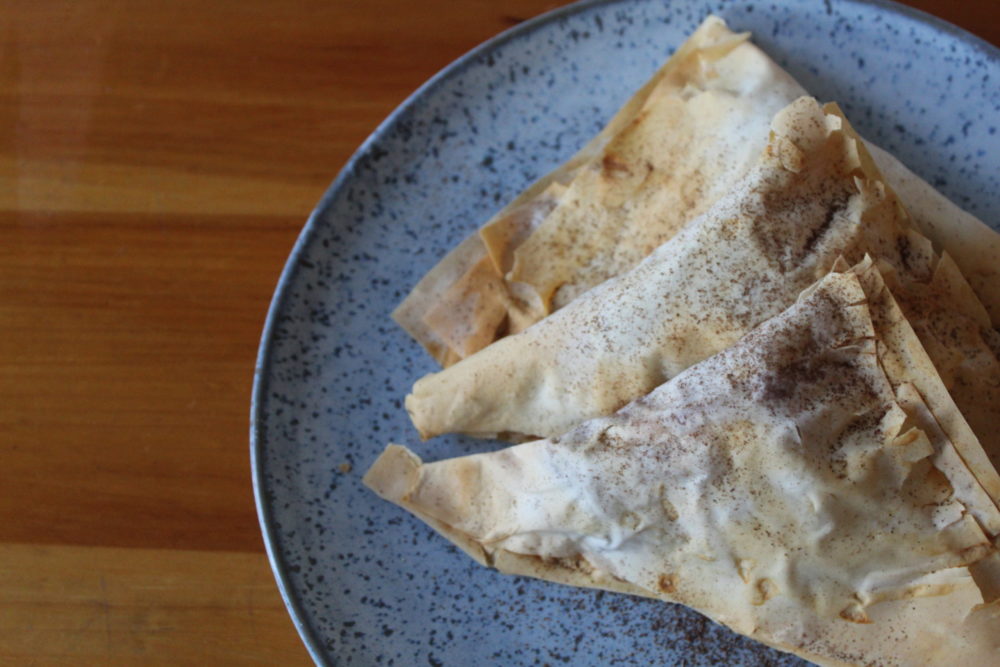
{"type": "Point", "coordinates": [367, 583]}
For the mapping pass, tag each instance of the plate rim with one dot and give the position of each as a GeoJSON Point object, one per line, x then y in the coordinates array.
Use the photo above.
{"type": "Point", "coordinates": [262, 364]}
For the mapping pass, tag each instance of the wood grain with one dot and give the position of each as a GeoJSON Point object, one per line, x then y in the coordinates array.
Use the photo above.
{"type": "Point", "coordinates": [95, 605]}
{"type": "Point", "coordinates": [157, 160]}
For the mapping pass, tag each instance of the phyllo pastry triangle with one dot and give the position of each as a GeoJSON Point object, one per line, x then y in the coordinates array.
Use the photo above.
{"type": "Point", "coordinates": [814, 195]}
{"type": "Point", "coordinates": [681, 142]}
{"type": "Point", "coordinates": [675, 147]}
{"type": "Point", "coordinates": [813, 486]}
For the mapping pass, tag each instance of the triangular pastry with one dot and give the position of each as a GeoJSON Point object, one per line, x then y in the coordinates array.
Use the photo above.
{"type": "Point", "coordinates": [797, 487]}
{"type": "Point", "coordinates": [684, 139]}
{"type": "Point", "coordinates": [814, 195]}
{"type": "Point", "coordinates": [675, 147]}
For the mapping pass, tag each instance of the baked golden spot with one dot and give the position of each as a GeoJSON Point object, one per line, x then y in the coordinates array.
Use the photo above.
{"type": "Point", "coordinates": [667, 583]}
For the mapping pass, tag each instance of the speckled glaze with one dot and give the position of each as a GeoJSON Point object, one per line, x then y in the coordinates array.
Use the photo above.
{"type": "Point", "coordinates": [367, 583]}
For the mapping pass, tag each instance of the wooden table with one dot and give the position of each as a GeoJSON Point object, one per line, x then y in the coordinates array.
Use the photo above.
{"type": "Point", "coordinates": [157, 160]}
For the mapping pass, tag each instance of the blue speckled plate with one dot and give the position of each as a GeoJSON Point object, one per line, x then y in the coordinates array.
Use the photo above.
{"type": "Point", "coordinates": [365, 582]}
